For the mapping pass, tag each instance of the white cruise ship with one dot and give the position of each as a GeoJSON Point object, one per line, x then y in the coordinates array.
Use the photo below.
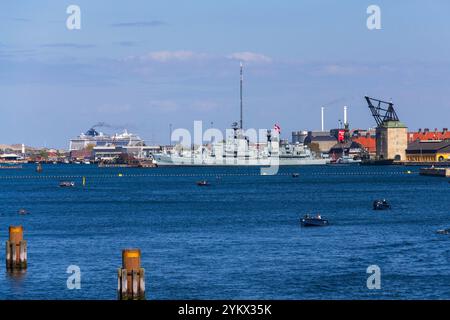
{"type": "Point", "coordinates": [98, 139]}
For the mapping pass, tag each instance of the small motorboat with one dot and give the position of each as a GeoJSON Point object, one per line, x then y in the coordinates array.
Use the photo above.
{"type": "Point", "coordinates": [67, 184]}
{"type": "Point", "coordinates": [203, 183]}
{"type": "Point", "coordinates": [443, 231]}
{"type": "Point", "coordinates": [381, 205]}
{"type": "Point", "coordinates": [295, 175]}
{"type": "Point", "coordinates": [23, 211]}
{"type": "Point", "coordinates": [317, 221]}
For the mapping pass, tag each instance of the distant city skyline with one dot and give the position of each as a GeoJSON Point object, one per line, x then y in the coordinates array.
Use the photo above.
{"type": "Point", "coordinates": [145, 65]}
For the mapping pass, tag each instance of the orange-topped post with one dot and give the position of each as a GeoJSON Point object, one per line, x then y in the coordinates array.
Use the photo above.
{"type": "Point", "coordinates": [15, 234]}
{"type": "Point", "coordinates": [16, 249]}
{"type": "Point", "coordinates": [131, 277]}
{"type": "Point", "coordinates": [131, 259]}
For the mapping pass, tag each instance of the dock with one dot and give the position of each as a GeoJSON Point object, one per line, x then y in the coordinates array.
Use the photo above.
{"type": "Point", "coordinates": [435, 172]}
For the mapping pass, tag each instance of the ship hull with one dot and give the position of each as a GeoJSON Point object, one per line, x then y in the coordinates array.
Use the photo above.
{"type": "Point", "coordinates": [164, 160]}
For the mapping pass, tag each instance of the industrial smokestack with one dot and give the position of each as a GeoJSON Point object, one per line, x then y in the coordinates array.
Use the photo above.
{"type": "Point", "coordinates": [345, 115]}
{"type": "Point", "coordinates": [322, 118]}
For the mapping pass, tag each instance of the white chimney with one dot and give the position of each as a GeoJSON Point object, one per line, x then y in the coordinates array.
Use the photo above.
{"type": "Point", "coordinates": [345, 115]}
{"type": "Point", "coordinates": [23, 148]}
{"type": "Point", "coordinates": [322, 115]}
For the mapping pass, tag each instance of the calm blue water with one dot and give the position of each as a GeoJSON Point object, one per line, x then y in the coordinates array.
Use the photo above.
{"type": "Point", "coordinates": [237, 239]}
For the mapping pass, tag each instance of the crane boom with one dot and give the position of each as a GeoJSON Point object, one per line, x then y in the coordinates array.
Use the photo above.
{"type": "Point", "coordinates": [381, 110]}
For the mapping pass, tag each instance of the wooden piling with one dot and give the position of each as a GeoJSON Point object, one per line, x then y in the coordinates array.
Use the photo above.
{"type": "Point", "coordinates": [131, 277]}
{"type": "Point", "coordinates": [16, 250]}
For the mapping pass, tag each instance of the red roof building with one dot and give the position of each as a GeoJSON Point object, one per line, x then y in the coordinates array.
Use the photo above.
{"type": "Point", "coordinates": [427, 135]}
{"type": "Point", "coordinates": [367, 142]}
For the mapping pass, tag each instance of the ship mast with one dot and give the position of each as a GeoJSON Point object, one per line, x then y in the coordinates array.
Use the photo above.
{"type": "Point", "coordinates": [242, 79]}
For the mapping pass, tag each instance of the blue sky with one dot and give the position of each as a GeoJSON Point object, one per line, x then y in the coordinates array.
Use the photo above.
{"type": "Point", "coordinates": [145, 64]}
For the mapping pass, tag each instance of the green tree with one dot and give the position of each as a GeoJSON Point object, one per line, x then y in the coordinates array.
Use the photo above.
{"type": "Point", "coordinates": [43, 154]}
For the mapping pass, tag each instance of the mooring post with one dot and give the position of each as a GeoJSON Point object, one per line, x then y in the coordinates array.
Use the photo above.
{"type": "Point", "coordinates": [16, 249]}
{"type": "Point", "coordinates": [131, 277]}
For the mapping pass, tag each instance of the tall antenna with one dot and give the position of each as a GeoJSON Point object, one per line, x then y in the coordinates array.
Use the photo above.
{"type": "Point", "coordinates": [242, 79]}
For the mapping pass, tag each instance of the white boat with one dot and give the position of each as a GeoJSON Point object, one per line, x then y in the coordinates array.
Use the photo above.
{"type": "Point", "coordinates": [348, 160]}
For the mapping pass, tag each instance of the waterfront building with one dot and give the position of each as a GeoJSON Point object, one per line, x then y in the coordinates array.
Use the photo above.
{"type": "Point", "coordinates": [391, 141]}
{"type": "Point", "coordinates": [321, 143]}
{"type": "Point", "coordinates": [327, 141]}
{"type": "Point", "coordinates": [367, 140]}
{"type": "Point", "coordinates": [351, 149]}
{"type": "Point", "coordinates": [299, 136]}
{"type": "Point", "coordinates": [391, 134]}
{"type": "Point", "coordinates": [368, 143]}
{"type": "Point", "coordinates": [111, 152]}
{"type": "Point", "coordinates": [428, 151]}
{"type": "Point", "coordinates": [427, 135]}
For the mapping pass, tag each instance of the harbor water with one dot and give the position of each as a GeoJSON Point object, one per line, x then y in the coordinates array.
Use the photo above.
{"type": "Point", "coordinates": [239, 238]}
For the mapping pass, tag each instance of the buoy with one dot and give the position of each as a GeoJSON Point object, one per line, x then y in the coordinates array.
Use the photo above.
{"type": "Point", "coordinates": [16, 250]}
{"type": "Point", "coordinates": [120, 175]}
{"type": "Point", "coordinates": [408, 172]}
{"type": "Point", "coordinates": [131, 277]}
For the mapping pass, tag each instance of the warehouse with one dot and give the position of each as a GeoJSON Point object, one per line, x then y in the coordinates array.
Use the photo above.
{"type": "Point", "coordinates": [428, 151]}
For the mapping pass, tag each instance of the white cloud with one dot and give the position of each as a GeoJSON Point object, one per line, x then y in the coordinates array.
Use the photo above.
{"type": "Point", "coordinates": [342, 70]}
{"type": "Point", "coordinates": [187, 55]}
{"type": "Point", "coordinates": [168, 56]}
{"type": "Point", "coordinates": [205, 105]}
{"type": "Point", "coordinates": [247, 56]}
{"type": "Point", "coordinates": [114, 109]}
{"type": "Point", "coordinates": [164, 105]}
{"type": "Point", "coordinates": [167, 105]}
